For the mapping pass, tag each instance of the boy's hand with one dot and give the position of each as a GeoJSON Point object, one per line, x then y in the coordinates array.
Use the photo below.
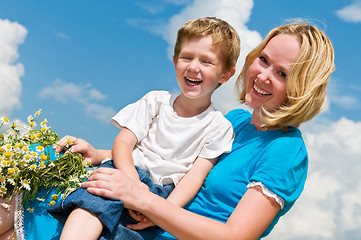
{"type": "Point", "coordinates": [143, 221]}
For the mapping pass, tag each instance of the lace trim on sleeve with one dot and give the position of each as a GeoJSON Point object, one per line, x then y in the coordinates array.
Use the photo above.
{"type": "Point", "coordinates": [19, 217]}
{"type": "Point", "coordinates": [268, 193]}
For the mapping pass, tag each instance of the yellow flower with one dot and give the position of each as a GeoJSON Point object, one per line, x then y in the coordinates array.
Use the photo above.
{"type": "Point", "coordinates": [26, 149]}
{"type": "Point", "coordinates": [32, 137]}
{"type": "Point", "coordinates": [27, 157]}
{"type": "Point", "coordinates": [44, 122]}
{"type": "Point", "coordinates": [43, 157]}
{"type": "Point", "coordinates": [40, 148]}
{"type": "Point", "coordinates": [54, 197]}
{"type": "Point", "coordinates": [68, 141]}
{"type": "Point", "coordinates": [14, 125]}
{"type": "Point", "coordinates": [32, 167]}
{"type": "Point", "coordinates": [5, 119]}
{"type": "Point", "coordinates": [38, 135]}
{"type": "Point", "coordinates": [8, 146]}
{"type": "Point", "coordinates": [31, 124]}
{"type": "Point", "coordinates": [25, 184]}
{"type": "Point", "coordinates": [41, 165]}
{"type": "Point", "coordinates": [3, 190]}
{"type": "Point", "coordinates": [1, 149]}
{"type": "Point", "coordinates": [37, 113]}
{"type": "Point", "coordinates": [4, 163]}
{"type": "Point", "coordinates": [52, 202]}
{"type": "Point", "coordinates": [11, 171]}
{"type": "Point", "coordinates": [8, 154]}
{"type": "Point", "coordinates": [30, 209]}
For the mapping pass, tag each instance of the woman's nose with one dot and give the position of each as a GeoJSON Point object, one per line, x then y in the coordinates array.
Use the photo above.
{"type": "Point", "coordinates": [265, 75]}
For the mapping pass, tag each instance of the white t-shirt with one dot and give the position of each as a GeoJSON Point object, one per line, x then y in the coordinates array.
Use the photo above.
{"type": "Point", "coordinates": [168, 144]}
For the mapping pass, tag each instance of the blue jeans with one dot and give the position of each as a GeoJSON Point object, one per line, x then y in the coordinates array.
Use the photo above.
{"type": "Point", "coordinates": [109, 211]}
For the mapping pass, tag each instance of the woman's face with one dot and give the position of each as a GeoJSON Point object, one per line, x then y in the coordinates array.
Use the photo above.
{"type": "Point", "coordinates": [266, 77]}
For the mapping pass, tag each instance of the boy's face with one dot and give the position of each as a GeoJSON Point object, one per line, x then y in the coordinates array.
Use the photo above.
{"type": "Point", "coordinates": [199, 68]}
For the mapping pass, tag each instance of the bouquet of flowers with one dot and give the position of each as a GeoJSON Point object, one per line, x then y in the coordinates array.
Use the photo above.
{"type": "Point", "coordinates": [28, 162]}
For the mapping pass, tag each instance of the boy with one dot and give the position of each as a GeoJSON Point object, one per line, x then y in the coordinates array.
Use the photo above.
{"type": "Point", "coordinates": [166, 140]}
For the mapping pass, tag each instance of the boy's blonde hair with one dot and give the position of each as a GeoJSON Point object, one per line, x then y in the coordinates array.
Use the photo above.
{"type": "Point", "coordinates": [306, 80]}
{"type": "Point", "coordinates": [221, 32]}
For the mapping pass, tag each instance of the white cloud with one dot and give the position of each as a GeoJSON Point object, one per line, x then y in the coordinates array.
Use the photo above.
{"type": "Point", "coordinates": [351, 13]}
{"type": "Point", "coordinates": [330, 206]}
{"type": "Point", "coordinates": [151, 8]}
{"type": "Point", "coordinates": [339, 94]}
{"type": "Point", "coordinates": [99, 112]}
{"type": "Point", "coordinates": [82, 94]}
{"type": "Point", "coordinates": [62, 35]}
{"type": "Point", "coordinates": [153, 26]}
{"type": "Point", "coordinates": [12, 34]}
{"type": "Point", "coordinates": [236, 13]}
{"type": "Point", "coordinates": [346, 102]}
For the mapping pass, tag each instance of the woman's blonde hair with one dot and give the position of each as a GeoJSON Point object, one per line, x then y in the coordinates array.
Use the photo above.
{"type": "Point", "coordinates": [221, 32]}
{"type": "Point", "coordinates": [306, 80]}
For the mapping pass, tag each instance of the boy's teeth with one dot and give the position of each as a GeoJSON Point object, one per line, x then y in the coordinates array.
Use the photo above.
{"type": "Point", "coordinates": [192, 81]}
{"type": "Point", "coordinates": [260, 91]}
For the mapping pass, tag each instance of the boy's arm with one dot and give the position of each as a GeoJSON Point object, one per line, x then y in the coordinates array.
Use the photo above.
{"type": "Point", "coordinates": [185, 190]}
{"type": "Point", "coordinates": [189, 185]}
{"type": "Point", "coordinates": [122, 150]}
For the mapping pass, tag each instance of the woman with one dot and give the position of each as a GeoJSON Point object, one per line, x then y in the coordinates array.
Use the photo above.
{"type": "Point", "coordinates": [284, 81]}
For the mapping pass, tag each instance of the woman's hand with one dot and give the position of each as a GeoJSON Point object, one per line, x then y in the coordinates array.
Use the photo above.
{"type": "Point", "coordinates": [78, 145]}
{"type": "Point", "coordinates": [114, 183]}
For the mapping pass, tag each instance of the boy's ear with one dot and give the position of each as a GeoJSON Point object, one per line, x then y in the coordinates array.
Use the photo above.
{"type": "Point", "coordinates": [227, 75]}
{"type": "Point", "coordinates": [174, 60]}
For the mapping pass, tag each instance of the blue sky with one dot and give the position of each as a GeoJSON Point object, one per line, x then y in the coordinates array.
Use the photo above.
{"type": "Point", "coordinates": [83, 60]}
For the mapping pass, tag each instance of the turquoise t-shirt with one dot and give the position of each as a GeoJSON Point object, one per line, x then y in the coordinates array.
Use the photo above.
{"type": "Point", "coordinates": [39, 224]}
{"type": "Point", "coordinates": [275, 158]}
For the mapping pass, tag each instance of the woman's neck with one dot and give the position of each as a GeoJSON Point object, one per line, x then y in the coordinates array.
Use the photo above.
{"type": "Point", "coordinates": [256, 120]}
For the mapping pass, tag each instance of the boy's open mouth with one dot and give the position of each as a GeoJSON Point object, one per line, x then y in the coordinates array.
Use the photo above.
{"type": "Point", "coordinates": [193, 82]}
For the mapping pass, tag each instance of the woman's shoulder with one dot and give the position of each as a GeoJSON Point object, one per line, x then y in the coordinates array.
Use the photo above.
{"type": "Point", "coordinates": [238, 115]}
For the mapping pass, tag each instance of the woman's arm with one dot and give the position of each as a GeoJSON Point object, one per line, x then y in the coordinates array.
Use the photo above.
{"type": "Point", "coordinates": [251, 217]}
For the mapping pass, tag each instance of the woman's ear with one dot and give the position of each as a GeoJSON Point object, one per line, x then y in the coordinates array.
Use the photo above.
{"type": "Point", "coordinates": [227, 75]}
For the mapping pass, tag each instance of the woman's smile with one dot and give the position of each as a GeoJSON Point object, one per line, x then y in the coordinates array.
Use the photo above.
{"type": "Point", "coordinates": [260, 91]}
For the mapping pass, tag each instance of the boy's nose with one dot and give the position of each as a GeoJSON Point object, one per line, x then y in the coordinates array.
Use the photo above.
{"type": "Point", "coordinates": [193, 66]}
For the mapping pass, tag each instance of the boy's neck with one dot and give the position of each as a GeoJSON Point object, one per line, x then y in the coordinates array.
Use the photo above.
{"type": "Point", "coordinates": [186, 107]}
